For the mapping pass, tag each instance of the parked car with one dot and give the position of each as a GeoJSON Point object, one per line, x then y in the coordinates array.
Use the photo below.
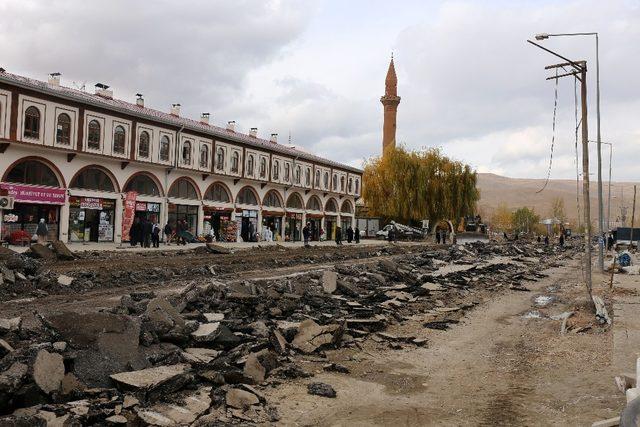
{"type": "Point", "coordinates": [403, 232]}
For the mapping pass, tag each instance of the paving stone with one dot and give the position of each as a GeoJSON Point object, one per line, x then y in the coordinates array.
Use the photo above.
{"type": "Point", "coordinates": [48, 371]}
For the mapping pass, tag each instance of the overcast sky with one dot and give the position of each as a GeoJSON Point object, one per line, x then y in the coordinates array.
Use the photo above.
{"type": "Point", "coordinates": [469, 82]}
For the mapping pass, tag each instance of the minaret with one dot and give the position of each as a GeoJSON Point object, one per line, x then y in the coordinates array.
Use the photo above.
{"type": "Point", "coordinates": [390, 101]}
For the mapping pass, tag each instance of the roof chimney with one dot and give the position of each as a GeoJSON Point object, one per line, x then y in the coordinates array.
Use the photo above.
{"type": "Point", "coordinates": [253, 132]}
{"type": "Point", "coordinates": [54, 79]}
{"type": "Point", "coordinates": [231, 125]}
{"type": "Point", "coordinates": [274, 138]}
{"type": "Point", "coordinates": [175, 110]}
{"type": "Point", "coordinates": [104, 91]}
{"type": "Point", "coordinates": [139, 100]}
{"type": "Point", "coordinates": [204, 118]}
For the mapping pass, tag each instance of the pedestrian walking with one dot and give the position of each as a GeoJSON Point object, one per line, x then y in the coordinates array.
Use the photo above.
{"type": "Point", "coordinates": [438, 237]}
{"type": "Point", "coordinates": [147, 230]}
{"type": "Point", "coordinates": [167, 233]}
{"type": "Point", "coordinates": [306, 232]}
{"type": "Point", "coordinates": [546, 240]}
{"type": "Point", "coordinates": [391, 234]}
{"type": "Point", "coordinates": [134, 232]}
{"type": "Point", "coordinates": [444, 237]}
{"type": "Point", "coordinates": [610, 241]}
{"type": "Point", "coordinates": [338, 235]}
{"type": "Point", "coordinates": [155, 235]}
{"type": "Point", "coordinates": [562, 240]}
{"type": "Point", "coordinates": [41, 231]}
{"type": "Point", "coordinates": [539, 238]}
{"type": "Point", "coordinates": [357, 234]}
{"type": "Point", "coordinates": [349, 234]}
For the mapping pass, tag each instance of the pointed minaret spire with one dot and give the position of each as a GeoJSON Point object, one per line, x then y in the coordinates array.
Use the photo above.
{"type": "Point", "coordinates": [390, 101]}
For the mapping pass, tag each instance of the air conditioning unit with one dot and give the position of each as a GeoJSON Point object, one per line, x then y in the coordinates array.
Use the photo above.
{"type": "Point", "coordinates": [6, 202]}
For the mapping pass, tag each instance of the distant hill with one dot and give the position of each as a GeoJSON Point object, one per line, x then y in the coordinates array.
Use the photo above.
{"type": "Point", "coordinates": [518, 192]}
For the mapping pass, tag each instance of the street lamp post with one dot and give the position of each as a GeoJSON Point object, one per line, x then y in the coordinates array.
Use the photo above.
{"type": "Point", "coordinates": [608, 222]}
{"type": "Point", "coordinates": [544, 36]}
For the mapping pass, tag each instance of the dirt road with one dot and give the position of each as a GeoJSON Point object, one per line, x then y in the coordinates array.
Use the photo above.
{"type": "Point", "coordinates": [497, 367]}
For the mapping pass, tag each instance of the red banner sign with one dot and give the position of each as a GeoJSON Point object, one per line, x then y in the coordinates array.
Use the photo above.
{"type": "Point", "coordinates": [32, 194]}
{"type": "Point", "coordinates": [129, 214]}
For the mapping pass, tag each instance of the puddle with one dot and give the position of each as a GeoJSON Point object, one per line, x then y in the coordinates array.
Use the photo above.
{"type": "Point", "coordinates": [544, 300]}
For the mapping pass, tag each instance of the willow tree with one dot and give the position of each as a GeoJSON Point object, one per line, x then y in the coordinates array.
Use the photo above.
{"type": "Point", "coordinates": [410, 186]}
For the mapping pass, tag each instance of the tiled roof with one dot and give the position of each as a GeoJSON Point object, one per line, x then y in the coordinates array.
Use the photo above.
{"type": "Point", "coordinates": [159, 116]}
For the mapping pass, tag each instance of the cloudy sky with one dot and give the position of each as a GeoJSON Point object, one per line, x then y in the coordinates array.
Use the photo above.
{"type": "Point", "coordinates": [315, 69]}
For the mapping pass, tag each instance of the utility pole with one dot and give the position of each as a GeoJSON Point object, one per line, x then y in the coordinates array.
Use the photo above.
{"type": "Point", "coordinates": [579, 71]}
{"type": "Point", "coordinates": [633, 216]}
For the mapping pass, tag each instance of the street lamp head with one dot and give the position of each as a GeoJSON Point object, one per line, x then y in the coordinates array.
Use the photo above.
{"type": "Point", "coordinates": [542, 36]}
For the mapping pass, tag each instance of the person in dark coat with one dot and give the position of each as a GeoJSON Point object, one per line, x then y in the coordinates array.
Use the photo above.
{"type": "Point", "coordinates": [357, 234]}
{"type": "Point", "coordinates": [155, 235]}
{"type": "Point", "coordinates": [561, 240]}
{"type": "Point", "coordinates": [167, 232]}
{"type": "Point", "coordinates": [349, 234]}
{"type": "Point", "coordinates": [134, 232]}
{"type": "Point", "coordinates": [338, 236]}
{"type": "Point", "coordinates": [306, 233]}
{"type": "Point", "coordinates": [147, 229]}
{"type": "Point", "coordinates": [438, 237]}
{"type": "Point", "coordinates": [546, 240]}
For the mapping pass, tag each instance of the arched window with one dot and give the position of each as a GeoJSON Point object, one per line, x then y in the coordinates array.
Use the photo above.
{"type": "Point", "coordinates": [217, 193]}
{"type": "Point", "coordinates": [263, 167]}
{"type": "Point", "coordinates": [307, 177]}
{"type": "Point", "coordinates": [32, 123]}
{"type": "Point", "coordinates": [165, 145]}
{"type": "Point", "coordinates": [346, 207]}
{"type": "Point", "coordinates": [272, 199]}
{"type": "Point", "coordinates": [142, 184]}
{"type": "Point", "coordinates": [183, 189]}
{"type": "Point", "coordinates": [297, 175]}
{"type": "Point", "coordinates": [342, 183]}
{"type": "Point", "coordinates": [119, 136]}
{"type": "Point", "coordinates": [143, 145]}
{"type": "Point", "coordinates": [250, 165]}
{"type": "Point", "coordinates": [204, 156]}
{"type": "Point", "coordinates": [331, 206]}
{"type": "Point", "coordinates": [33, 172]}
{"type": "Point", "coordinates": [186, 153]}
{"type": "Point", "coordinates": [276, 170]}
{"type": "Point", "coordinates": [326, 180]}
{"type": "Point", "coordinates": [63, 129]}
{"type": "Point", "coordinates": [295, 201]}
{"type": "Point", "coordinates": [335, 182]}
{"type": "Point", "coordinates": [94, 135]}
{"type": "Point", "coordinates": [317, 179]}
{"type": "Point", "coordinates": [314, 204]}
{"type": "Point", "coordinates": [235, 162]}
{"type": "Point", "coordinates": [357, 186]}
{"type": "Point", "coordinates": [247, 196]}
{"type": "Point", "coordinates": [93, 179]}
{"type": "Point", "coordinates": [220, 158]}
{"type": "Point", "coordinates": [287, 172]}
{"type": "Point", "coordinates": [350, 185]}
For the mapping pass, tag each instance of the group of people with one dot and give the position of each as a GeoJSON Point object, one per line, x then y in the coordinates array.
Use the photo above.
{"type": "Point", "coordinates": [144, 232]}
{"type": "Point", "coordinates": [546, 240]}
{"type": "Point", "coordinates": [353, 235]}
{"type": "Point", "coordinates": [441, 236]}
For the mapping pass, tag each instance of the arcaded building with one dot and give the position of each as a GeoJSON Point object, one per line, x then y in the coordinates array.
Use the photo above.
{"type": "Point", "coordinates": [88, 164]}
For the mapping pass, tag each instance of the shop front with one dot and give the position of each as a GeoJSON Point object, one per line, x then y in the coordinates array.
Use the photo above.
{"type": "Point", "coordinates": [91, 219]}
{"type": "Point", "coordinates": [315, 225]}
{"type": "Point", "coordinates": [248, 224]}
{"type": "Point", "coordinates": [345, 223]}
{"type": "Point", "coordinates": [273, 222]}
{"type": "Point", "coordinates": [32, 203]}
{"type": "Point", "coordinates": [293, 227]}
{"type": "Point", "coordinates": [187, 213]}
{"type": "Point", "coordinates": [217, 219]}
{"type": "Point", "coordinates": [330, 224]}
{"type": "Point", "coordinates": [149, 211]}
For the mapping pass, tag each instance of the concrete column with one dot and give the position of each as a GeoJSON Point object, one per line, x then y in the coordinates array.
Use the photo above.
{"type": "Point", "coordinates": [117, 221]}
{"type": "Point", "coordinates": [63, 221]}
{"type": "Point", "coordinates": [200, 226]}
{"type": "Point", "coordinates": [259, 224]}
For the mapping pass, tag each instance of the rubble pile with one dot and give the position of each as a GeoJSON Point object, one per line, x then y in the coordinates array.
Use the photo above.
{"type": "Point", "coordinates": [205, 355]}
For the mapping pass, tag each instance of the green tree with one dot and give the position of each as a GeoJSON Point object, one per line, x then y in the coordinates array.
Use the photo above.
{"type": "Point", "coordinates": [410, 186]}
{"type": "Point", "coordinates": [524, 220]}
{"type": "Point", "coordinates": [501, 219]}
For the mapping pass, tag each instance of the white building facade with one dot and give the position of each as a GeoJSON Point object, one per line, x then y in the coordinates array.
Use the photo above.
{"type": "Point", "coordinates": [89, 164]}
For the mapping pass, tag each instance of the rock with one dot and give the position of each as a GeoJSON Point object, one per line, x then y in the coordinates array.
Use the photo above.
{"type": "Point", "coordinates": [206, 332]}
{"type": "Point", "coordinates": [203, 355]}
{"type": "Point", "coordinates": [278, 342]}
{"type": "Point", "coordinates": [254, 369]}
{"type": "Point", "coordinates": [64, 280]}
{"type": "Point", "coordinates": [161, 312]}
{"type": "Point", "coordinates": [5, 348]}
{"type": "Point", "coordinates": [10, 381]}
{"type": "Point", "coordinates": [10, 325]}
{"type": "Point", "coordinates": [48, 371]}
{"type": "Point", "coordinates": [187, 408]}
{"type": "Point", "coordinates": [217, 249]}
{"type": "Point", "coordinates": [432, 287]}
{"type": "Point", "coordinates": [312, 336]}
{"type": "Point", "coordinates": [117, 419]}
{"type": "Point", "coordinates": [41, 251]}
{"type": "Point", "coordinates": [226, 338]}
{"type": "Point", "coordinates": [6, 253]}
{"type": "Point", "coordinates": [329, 281]}
{"type": "Point", "coordinates": [70, 384]}
{"type": "Point", "coordinates": [346, 289]}
{"type": "Point", "coordinates": [321, 389]}
{"type": "Point", "coordinates": [60, 346]}
{"type": "Point", "coordinates": [62, 251]}
{"type": "Point", "coordinates": [167, 378]}
{"type": "Point", "coordinates": [240, 399]}
{"type": "Point", "coordinates": [214, 317]}
{"type": "Point", "coordinates": [259, 329]}
{"type": "Point", "coordinates": [334, 367]}
{"type": "Point", "coordinates": [129, 401]}
{"type": "Point", "coordinates": [20, 276]}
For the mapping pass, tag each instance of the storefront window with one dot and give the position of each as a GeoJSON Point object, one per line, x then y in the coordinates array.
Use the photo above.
{"type": "Point", "coordinates": [217, 193]}
{"type": "Point", "coordinates": [93, 179]}
{"type": "Point", "coordinates": [331, 206]}
{"type": "Point", "coordinates": [187, 213]}
{"type": "Point", "coordinates": [142, 184]}
{"type": "Point", "coordinates": [314, 204]}
{"type": "Point", "coordinates": [247, 196]}
{"type": "Point", "coordinates": [295, 201]}
{"type": "Point", "coordinates": [293, 227]}
{"type": "Point", "coordinates": [183, 189]}
{"type": "Point", "coordinates": [272, 200]}
{"type": "Point", "coordinates": [33, 172]}
{"type": "Point", "coordinates": [91, 219]}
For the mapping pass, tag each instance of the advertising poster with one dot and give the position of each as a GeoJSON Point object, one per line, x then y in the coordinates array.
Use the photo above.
{"type": "Point", "coordinates": [129, 213]}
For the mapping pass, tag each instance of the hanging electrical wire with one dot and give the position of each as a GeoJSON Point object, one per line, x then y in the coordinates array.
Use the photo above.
{"type": "Point", "coordinates": [553, 135]}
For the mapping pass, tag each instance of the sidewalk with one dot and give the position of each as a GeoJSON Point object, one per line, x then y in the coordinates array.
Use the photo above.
{"type": "Point", "coordinates": [87, 247]}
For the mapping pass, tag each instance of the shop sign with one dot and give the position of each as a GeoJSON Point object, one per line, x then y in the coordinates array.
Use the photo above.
{"type": "Point", "coordinates": [10, 218]}
{"type": "Point", "coordinates": [153, 207]}
{"type": "Point", "coordinates": [294, 215]}
{"type": "Point", "coordinates": [249, 214]}
{"type": "Point", "coordinates": [30, 194]}
{"type": "Point", "coordinates": [141, 207]}
{"type": "Point", "coordinates": [129, 213]}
